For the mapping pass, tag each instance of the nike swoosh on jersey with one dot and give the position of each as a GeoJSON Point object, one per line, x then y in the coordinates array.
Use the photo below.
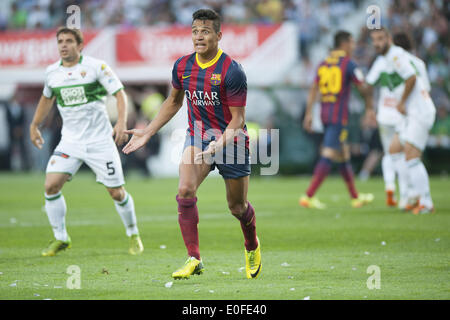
{"type": "Point", "coordinates": [185, 77]}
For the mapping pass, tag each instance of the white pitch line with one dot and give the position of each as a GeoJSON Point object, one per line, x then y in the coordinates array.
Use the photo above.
{"type": "Point", "coordinates": [140, 219]}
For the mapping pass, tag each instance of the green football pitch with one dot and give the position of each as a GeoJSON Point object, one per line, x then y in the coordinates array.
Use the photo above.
{"type": "Point", "coordinates": [329, 254]}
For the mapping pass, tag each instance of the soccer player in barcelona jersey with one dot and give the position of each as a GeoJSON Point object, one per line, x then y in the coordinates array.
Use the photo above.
{"type": "Point", "coordinates": [334, 77]}
{"type": "Point", "coordinates": [79, 85]}
{"type": "Point", "coordinates": [216, 88]}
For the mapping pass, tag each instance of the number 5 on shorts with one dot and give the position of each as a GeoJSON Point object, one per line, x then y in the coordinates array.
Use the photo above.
{"type": "Point", "coordinates": [110, 168]}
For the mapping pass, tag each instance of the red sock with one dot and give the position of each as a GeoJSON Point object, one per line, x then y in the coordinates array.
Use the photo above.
{"type": "Point", "coordinates": [347, 173]}
{"type": "Point", "coordinates": [321, 171]}
{"type": "Point", "coordinates": [188, 220]}
{"type": "Point", "coordinates": [248, 226]}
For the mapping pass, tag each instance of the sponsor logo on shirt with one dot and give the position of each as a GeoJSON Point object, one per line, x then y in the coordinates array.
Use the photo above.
{"type": "Point", "coordinates": [203, 98]}
{"type": "Point", "coordinates": [73, 95]}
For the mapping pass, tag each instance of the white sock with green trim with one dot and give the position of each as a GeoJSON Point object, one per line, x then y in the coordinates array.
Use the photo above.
{"type": "Point", "coordinates": [55, 206]}
{"type": "Point", "coordinates": [125, 208]}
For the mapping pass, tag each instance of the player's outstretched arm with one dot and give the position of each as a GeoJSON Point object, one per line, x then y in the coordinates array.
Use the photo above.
{"type": "Point", "coordinates": [312, 96]}
{"type": "Point", "coordinates": [44, 106]}
{"type": "Point", "coordinates": [168, 109]}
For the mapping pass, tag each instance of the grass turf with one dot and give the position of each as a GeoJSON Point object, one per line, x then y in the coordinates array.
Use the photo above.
{"type": "Point", "coordinates": [317, 254]}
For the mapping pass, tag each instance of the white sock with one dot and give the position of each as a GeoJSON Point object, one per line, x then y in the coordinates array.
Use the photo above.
{"type": "Point", "coordinates": [419, 181]}
{"type": "Point", "coordinates": [388, 168]}
{"type": "Point", "coordinates": [55, 206]}
{"type": "Point", "coordinates": [399, 162]}
{"type": "Point", "coordinates": [125, 208]}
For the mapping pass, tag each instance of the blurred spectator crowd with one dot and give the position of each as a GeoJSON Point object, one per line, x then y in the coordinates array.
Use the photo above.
{"type": "Point", "coordinates": [44, 14]}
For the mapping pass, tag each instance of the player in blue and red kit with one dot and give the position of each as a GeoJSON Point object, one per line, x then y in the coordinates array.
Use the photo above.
{"type": "Point", "coordinates": [215, 87]}
{"type": "Point", "coordinates": [333, 81]}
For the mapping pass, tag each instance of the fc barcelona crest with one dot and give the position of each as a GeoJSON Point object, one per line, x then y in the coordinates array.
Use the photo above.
{"type": "Point", "coordinates": [215, 79]}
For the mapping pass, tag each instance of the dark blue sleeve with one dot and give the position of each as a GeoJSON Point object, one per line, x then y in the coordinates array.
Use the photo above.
{"type": "Point", "coordinates": [353, 73]}
{"type": "Point", "coordinates": [236, 85]}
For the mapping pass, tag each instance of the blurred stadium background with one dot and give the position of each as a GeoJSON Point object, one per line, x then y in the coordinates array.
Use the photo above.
{"type": "Point", "coordinates": [279, 43]}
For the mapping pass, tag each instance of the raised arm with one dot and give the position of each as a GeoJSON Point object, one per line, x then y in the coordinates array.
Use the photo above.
{"type": "Point", "coordinates": [168, 109]}
{"type": "Point", "coordinates": [44, 106]}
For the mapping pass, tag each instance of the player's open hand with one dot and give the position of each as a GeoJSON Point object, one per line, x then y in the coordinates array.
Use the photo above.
{"type": "Point", "coordinates": [210, 151]}
{"type": "Point", "coordinates": [36, 137]}
{"type": "Point", "coordinates": [120, 137]}
{"type": "Point", "coordinates": [139, 139]}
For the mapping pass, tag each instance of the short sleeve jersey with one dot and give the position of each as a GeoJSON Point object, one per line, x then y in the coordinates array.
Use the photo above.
{"type": "Point", "coordinates": [80, 93]}
{"type": "Point", "coordinates": [211, 89]}
{"type": "Point", "coordinates": [334, 77]}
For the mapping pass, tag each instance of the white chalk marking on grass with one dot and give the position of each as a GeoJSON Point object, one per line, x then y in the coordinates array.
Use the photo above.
{"type": "Point", "coordinates": [101, 222]}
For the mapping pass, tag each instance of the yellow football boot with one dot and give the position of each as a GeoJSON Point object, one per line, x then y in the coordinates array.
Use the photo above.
{"type": "Point", "coordinates": [312, 202]}
{"type": "Point", "coordinates": [253, 262]}
{"type": "Point", "coordinates": [136, 246]}
{"type": "Point", "coordinates": [55, 246]}
{"type": "Point", "coordinates": [363, 199]}
{"type": "Point", "coordinates": [191, 266]}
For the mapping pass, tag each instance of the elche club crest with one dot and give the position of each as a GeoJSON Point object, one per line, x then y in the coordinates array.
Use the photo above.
{"type": "Point", "coordinates": [215, 79]}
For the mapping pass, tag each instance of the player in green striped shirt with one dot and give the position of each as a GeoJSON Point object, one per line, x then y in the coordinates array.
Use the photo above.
{"type": "Point", "coordinates": [79, 84]}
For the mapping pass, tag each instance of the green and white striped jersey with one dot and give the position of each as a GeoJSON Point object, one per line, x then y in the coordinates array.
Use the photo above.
{"type": "Point", "coordinates": [80, 93]}
{"type": "Point", "coordinates": [389, 72]}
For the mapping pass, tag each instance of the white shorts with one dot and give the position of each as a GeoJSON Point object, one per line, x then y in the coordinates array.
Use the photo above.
{"type": "Point", "coordinates": [387, 132]}
{"type": "Point", "coordinates": [416, 131]}
{"type": "Point", "coordinates": [102, 157]}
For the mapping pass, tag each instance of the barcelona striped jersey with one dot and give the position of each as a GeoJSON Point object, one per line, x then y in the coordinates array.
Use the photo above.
{"type": "Point", "coordinates": [334, 77]}
{"type": "Point", "coordinates": [211, 89]}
